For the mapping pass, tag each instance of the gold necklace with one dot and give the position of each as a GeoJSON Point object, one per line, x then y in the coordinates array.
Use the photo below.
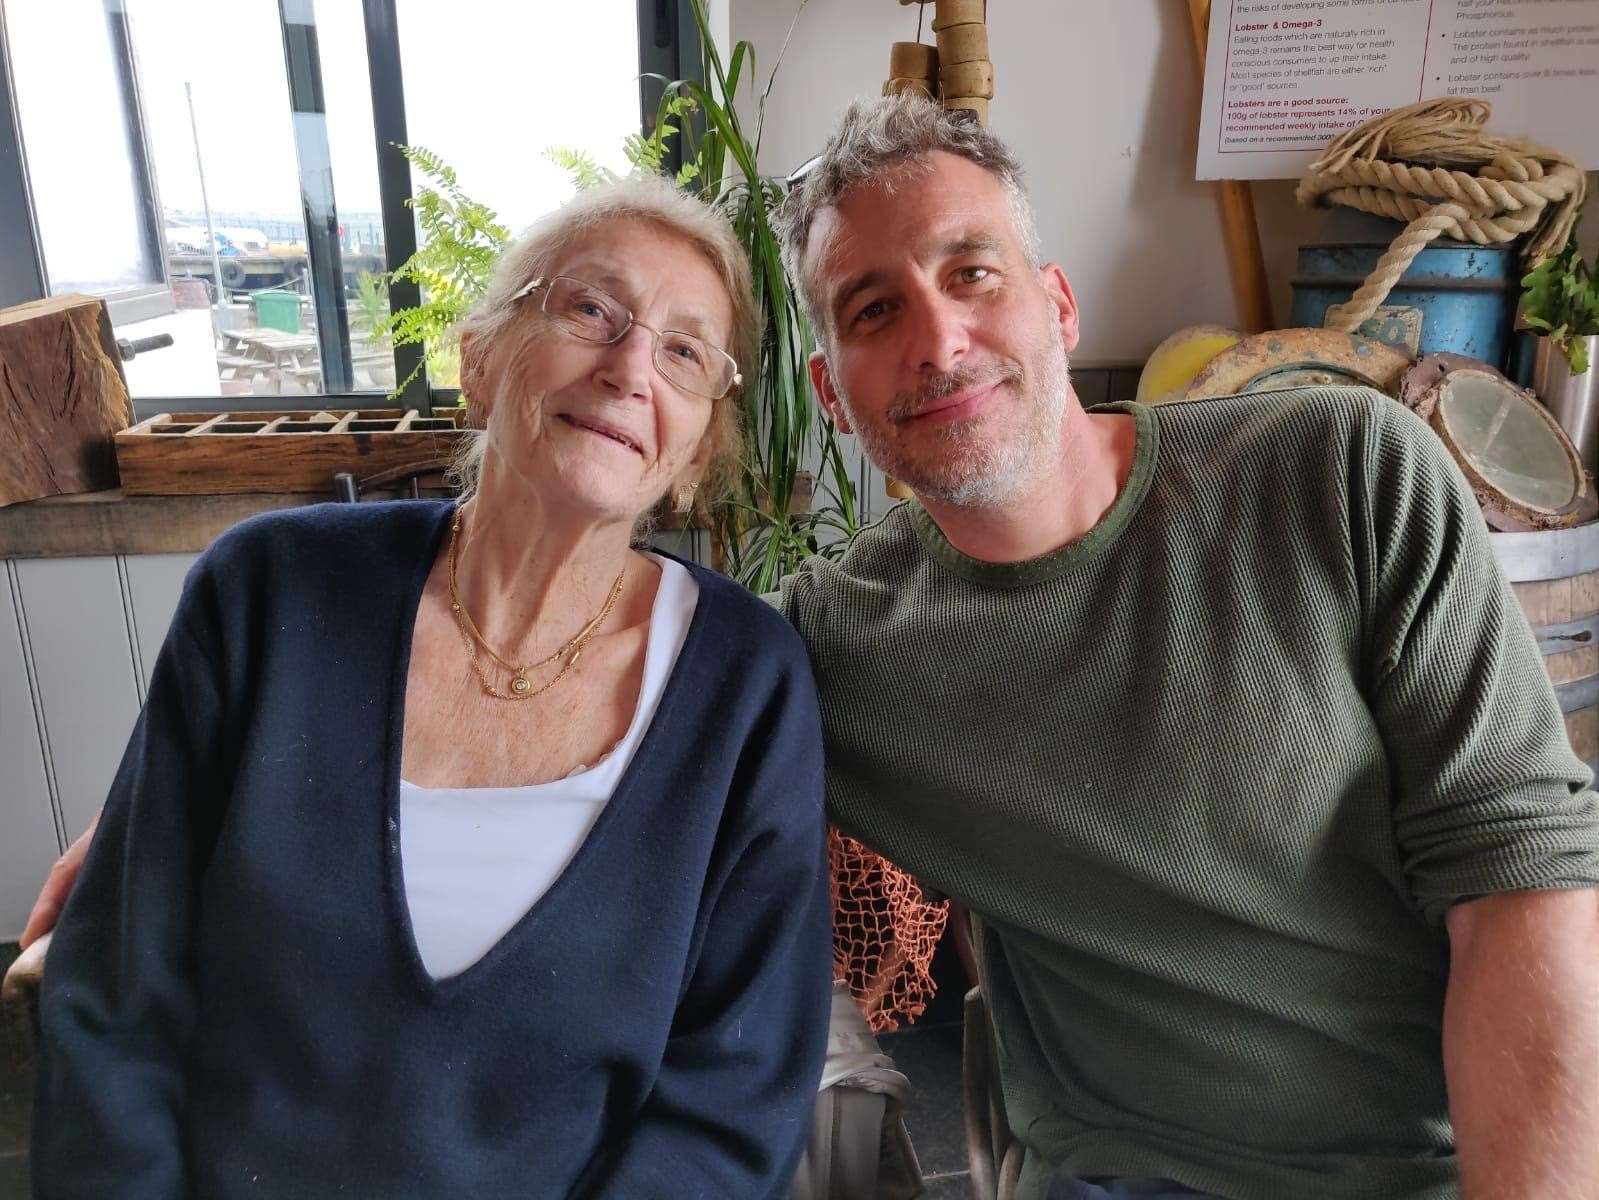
{"type": "Point", "coordinates": [521, 688]}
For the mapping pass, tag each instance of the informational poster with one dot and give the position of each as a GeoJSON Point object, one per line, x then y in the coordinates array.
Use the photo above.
{"type": "Point", "coordinates": [1284, 77]}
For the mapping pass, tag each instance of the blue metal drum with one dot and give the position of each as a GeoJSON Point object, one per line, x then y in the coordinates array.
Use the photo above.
{"type": "Point", "coordinates": [1455, 296]}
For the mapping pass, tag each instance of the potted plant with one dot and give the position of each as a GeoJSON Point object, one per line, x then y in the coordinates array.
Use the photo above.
{"type": "Point", "coordinates": [1560, 299]}
{"type": "Point", "coordinates": [795, 497]}
{"type": "Point", "coordinates": [771, 528]}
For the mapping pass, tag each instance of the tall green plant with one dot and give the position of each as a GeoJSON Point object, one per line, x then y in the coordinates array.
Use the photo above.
{"type": "Point", "coordinates": [762, 537]}
{"type": "Point", "coordinates": [773, 521]}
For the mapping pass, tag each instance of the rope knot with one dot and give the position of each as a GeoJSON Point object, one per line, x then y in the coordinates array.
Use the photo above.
{"type": "Point", "coordinates": [1406, 164]}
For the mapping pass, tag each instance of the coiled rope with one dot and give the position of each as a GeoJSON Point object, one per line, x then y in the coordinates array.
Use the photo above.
{"type": "Point", "coordinates": [1432, 166]}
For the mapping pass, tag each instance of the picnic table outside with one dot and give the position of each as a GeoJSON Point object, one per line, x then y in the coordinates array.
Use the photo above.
{"type": "Point", "coordinates": [278, 362]}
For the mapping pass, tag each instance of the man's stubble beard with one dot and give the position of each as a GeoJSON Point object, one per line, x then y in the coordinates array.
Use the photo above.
{"type": "Point", "coordinates": [976, 469]}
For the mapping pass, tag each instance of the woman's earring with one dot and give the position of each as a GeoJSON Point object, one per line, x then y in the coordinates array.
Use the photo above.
{"type": "Point", "coordinates": [683, 499]}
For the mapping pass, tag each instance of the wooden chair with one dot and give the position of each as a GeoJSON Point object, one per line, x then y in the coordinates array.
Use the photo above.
{"type": "Point", "coordinates": [993, 1154]}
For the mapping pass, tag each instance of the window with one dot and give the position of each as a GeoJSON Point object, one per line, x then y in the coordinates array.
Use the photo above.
{"type": "Point", "coordinates": [544, 76]}
{"type": "Point", "coordinates": [213, 172]}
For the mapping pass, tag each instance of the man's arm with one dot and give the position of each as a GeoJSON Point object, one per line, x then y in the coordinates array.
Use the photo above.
{"type": "Point", "coordinates": [1521, 1043]}
{"type": "Point", "coordinates": [57, 887]}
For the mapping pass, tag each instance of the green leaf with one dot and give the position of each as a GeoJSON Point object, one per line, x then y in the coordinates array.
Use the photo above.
{"type": "Point", "coordinates": [1561, 295]}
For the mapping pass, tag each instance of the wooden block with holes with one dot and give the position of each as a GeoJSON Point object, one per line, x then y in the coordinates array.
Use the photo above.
{"type": "Point", "coordinates": [62, 398]}
{"type": "Point", "coordinates": [185, 454]}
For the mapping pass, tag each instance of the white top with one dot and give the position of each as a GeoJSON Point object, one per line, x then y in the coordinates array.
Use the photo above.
{"type": "Point", "coordinates": [475, 860]}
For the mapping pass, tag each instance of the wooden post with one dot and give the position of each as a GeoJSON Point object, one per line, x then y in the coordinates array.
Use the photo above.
{"type": "Point", "coordinates": [62, 398]}
{"type": "Point", "coordinates": [1242, 232]}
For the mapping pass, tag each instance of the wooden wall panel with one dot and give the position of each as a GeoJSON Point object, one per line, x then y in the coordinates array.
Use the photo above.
{"type": "Point", "coordinates": [29, 836]}
{"type": "Point", "coordinates": [155, 581]}
{"type": "Point", "coordinates": [76, 617]}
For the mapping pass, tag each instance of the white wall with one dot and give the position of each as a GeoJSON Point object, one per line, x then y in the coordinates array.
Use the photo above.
{"type": "Point", "coordinates": [78, 637]}
{"type": "Point", "coordinates": [1101, 100]}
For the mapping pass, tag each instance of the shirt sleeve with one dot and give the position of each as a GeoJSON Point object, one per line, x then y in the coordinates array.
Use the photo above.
{"type": "Point", "coordinates": [117, 1008]}
{"type": "Point", "coordinates": [1488, 796]}
{"type": "Point", "coordinates": [731, 1108]}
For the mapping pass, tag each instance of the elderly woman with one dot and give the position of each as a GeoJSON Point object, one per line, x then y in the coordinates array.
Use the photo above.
{"type": "Point", "coordinates": [466, 849]}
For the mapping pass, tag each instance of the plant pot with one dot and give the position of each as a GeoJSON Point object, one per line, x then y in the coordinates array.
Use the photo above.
{"type": "Point", "coordinates": [1573, 400]}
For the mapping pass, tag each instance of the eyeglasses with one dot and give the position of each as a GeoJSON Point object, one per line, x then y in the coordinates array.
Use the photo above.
{"type": "Point", "coordinates": [586, 312]}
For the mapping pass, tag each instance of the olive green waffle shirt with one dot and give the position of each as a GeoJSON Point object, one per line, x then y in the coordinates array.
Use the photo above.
{"type": "Point", "coordinates": [1213, 774]}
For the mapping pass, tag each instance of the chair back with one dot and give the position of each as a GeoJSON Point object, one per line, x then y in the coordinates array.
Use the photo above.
{"type": "Point", "coordinates": [993, 1154]}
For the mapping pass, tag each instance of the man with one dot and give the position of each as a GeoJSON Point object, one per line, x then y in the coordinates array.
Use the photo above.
{"type": "Point", "coordinates": [1219, 714]}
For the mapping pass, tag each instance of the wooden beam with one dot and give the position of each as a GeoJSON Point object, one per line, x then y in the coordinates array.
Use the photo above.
{"type": "Point", "coordinates": [112, 522]}
{"type": "Point", "coordinates": [1239, 227]}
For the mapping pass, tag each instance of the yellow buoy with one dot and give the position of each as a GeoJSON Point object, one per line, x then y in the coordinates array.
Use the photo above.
{"type": "Point", "coordinates": [1175, 362]}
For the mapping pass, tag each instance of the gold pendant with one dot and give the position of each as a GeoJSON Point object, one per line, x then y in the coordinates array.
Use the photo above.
{"type": "Point", "coordinates": [520, 685]}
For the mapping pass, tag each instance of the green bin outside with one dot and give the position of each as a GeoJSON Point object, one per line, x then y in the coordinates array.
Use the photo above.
{"type": "Point", "coordinates": [278, 310]}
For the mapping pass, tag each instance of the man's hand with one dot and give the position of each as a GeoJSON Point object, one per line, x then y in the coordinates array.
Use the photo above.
{"type": "Point", "coordinates": [57, 887]}
{"type": "Point", "coordinates": [1521, 1044]}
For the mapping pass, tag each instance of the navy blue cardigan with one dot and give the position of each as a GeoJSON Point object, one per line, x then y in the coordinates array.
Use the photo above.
{"type": "Point", "coordinates": [234, 1005]}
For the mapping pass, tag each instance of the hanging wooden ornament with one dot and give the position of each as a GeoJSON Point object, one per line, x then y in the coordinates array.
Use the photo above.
{"type": "Point", "coordinates": [958, 12]}
{"type": "Point", "coordinates": [963, 43]}
{"type": "Point", "coordinates": [919, 87]}
{"type": "Point", "coordinates": [912, 60]}
{"type": "Point", "coordinates": [967, 79]}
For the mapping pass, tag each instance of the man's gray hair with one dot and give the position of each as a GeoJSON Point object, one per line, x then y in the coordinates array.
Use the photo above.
{"type": "Point", "coordinates": [888, 141]}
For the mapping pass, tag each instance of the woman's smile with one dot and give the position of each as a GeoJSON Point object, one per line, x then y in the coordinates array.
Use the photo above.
{"type": "Point", "coordinates": [606, 430]}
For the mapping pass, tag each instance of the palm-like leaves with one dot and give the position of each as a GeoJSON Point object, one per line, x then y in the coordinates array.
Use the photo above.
{"type": "Point", "coordinates": [761, 539]}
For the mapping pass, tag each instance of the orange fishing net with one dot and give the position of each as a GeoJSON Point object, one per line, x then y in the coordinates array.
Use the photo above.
{"type": "Point", "coordinates": [884, 933]}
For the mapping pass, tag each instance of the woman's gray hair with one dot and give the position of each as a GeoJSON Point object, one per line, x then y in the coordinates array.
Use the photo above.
{"type": "Point", "coordinates": [658, 201]}
{"type": "Point", "coordinates": [888, 141]}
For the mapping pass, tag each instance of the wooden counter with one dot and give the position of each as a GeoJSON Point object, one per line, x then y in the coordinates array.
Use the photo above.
{"type": "Point", "coordinates": [98, 523]}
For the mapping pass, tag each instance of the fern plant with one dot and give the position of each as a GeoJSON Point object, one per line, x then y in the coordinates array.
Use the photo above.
{"type": "Point", "coordinates": [461, 241]}
{"type": "Point", "coordinates": [647, 152]}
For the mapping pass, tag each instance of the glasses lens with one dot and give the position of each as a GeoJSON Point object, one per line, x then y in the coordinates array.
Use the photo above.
{"type": "Point", "coordinates": [694, 365]}
{"type": "Point", "coordinates": [585, 311]}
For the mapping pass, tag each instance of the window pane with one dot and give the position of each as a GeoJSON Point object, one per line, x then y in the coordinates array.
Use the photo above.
{"type": "Point", "coordinates": [93, 207]}
{"type": "Point", "coordinates": [542, 76]}
{"type": "Point", "coordinates": [346, 87]}
{"type": "Point", "coordinates": [233, 272]}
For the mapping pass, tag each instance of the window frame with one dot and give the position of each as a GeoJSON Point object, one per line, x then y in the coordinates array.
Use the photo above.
{"type": "Point", "coordinates": [668, 44]}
